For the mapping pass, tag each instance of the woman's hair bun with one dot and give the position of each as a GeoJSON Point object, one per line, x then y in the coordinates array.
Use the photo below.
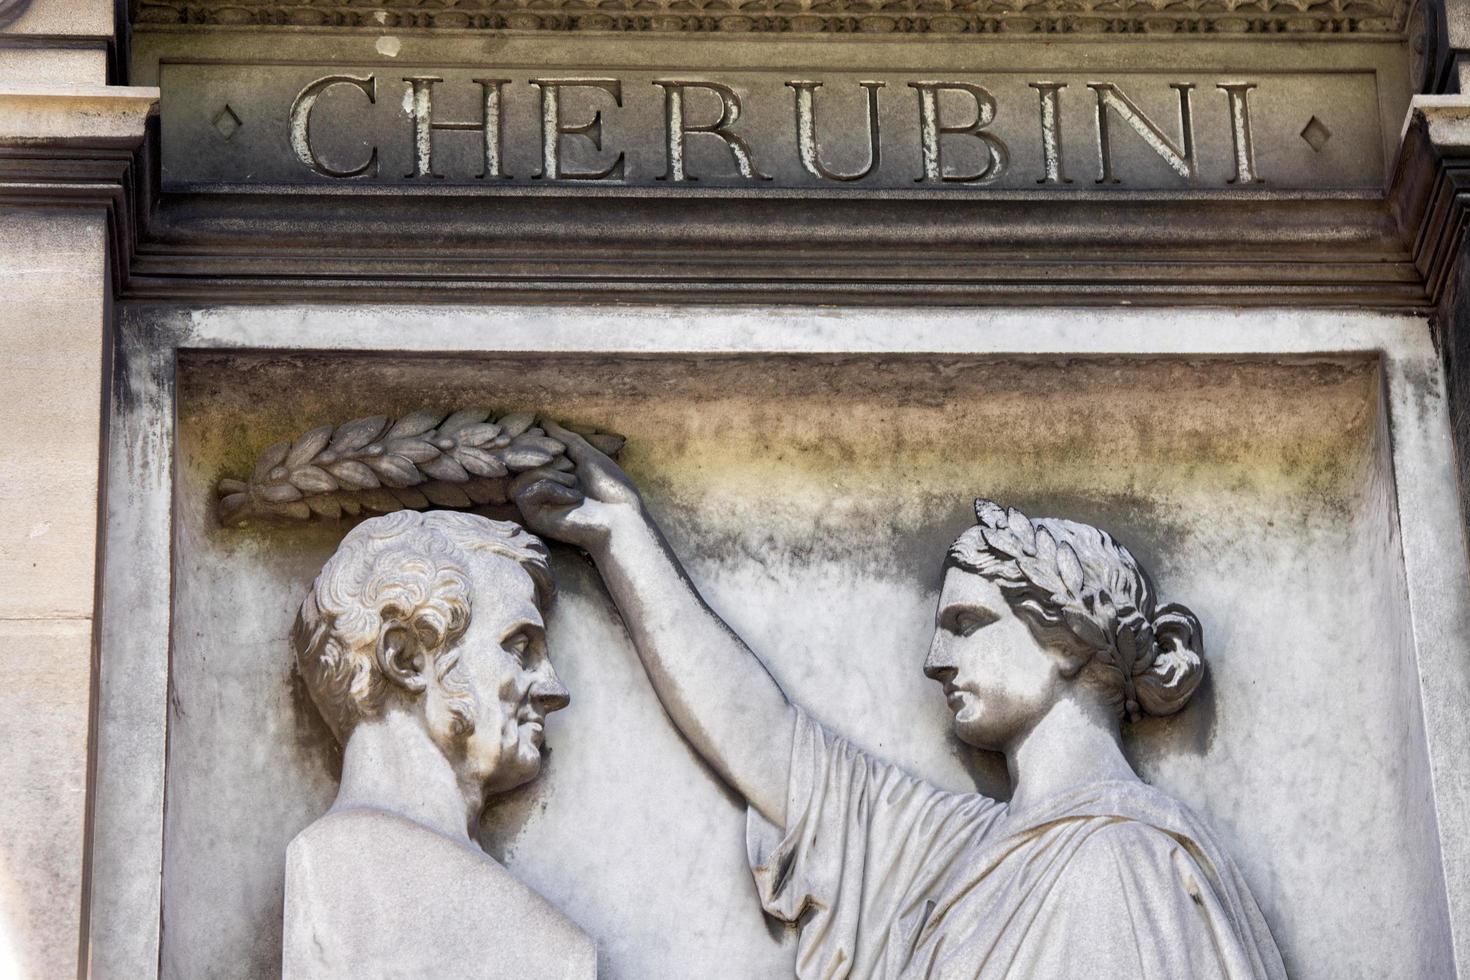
{"type": "Point", "coordinates": [1178, 666]}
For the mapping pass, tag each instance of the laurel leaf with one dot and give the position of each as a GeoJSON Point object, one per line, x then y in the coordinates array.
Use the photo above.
{"type": "Point", "coordinates": [232, 507]}
{"type": "Point", "coordinates": [1086, 629]}
{"type": "Point", "coordinates": [352, 436]}
{"type": "Point", "coordinates": [325, 505]}
{"type": "Point", "coordinates": [443, 494]}
{"type": "Point", "coordinates": [483, 491]}
{"type": "Point", "coordinates": [518, 458]}
{"type": "Point", "coordinates": [296, 509]}
{"type": "Point", "coordinates": [308, 445]}
{"type": "Point", "coordinates": [269, 460]}
{"type": "Point", "coordinates": [477, 435]}
{"type": "Point", "coordinates": [413, 450]}
{"type": "Point", "coordinates": [228, 486]}
{"type": "Point", "coordinates": [606, 442]}
{"type": "Point", "coordinates": [545, 444]}
{"type": "Point", "coordinates": [395, 471]}
{"type": "Point", "coordinates": [410, 497]}
{"type": "Point", "coordinates": [462, 420]}
{"type": "Point", "coordinates": [562, 464]}
{"type": "Point", "coordinates": [444, 468]}
{"type": "Point", "coordinates": [989, 513]}
{"type": "Point", "coordinates": [379, 500]}
{"type": "Point", "coordinates": [353, 475]}
{"type": "Point", "coordinates": [313, 479]}
{"type": "Point", "coordinates": [279, 493]}
{"type": "Point", "coordinates": [1001, 539]}
{"type": "Point", "coordinates": [350, 505]}
{"type": "Point", "coordinates": [414, 424]}
{"type": "Point", "coordinates": [479, 462]}
{"type": "Point", "coordinates": [1070, 569]}
{"type": "Point", "coordinates": [515, 423]}
{"type": "Point", "coordinates": [1020, 525]}
{"type": "Point", "coordinates": [1046, 548]}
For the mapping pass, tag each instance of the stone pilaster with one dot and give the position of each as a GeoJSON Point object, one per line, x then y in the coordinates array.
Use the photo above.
{"type": "Point", "coordinates": [67, 149]}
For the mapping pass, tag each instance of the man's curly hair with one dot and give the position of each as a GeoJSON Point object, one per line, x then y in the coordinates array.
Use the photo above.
{"type": "Point", "coordinates": [407, 568]}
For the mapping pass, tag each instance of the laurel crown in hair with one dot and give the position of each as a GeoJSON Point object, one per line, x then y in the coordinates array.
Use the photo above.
{"type": "Point", "coordinates": [1085, 606]}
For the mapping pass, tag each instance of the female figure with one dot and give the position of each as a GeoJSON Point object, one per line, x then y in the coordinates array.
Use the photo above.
{"type": "Point", "coordinates": [1047, 633]}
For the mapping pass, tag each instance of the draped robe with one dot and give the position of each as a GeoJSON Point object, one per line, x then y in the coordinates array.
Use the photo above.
{"type": "Point", "coordinates": [891, 878]}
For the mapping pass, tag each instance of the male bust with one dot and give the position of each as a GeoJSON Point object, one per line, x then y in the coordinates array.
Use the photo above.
{"type": "Point", "coordinates": [423, 646]}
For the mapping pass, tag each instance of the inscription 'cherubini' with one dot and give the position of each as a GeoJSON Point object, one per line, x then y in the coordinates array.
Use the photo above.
{"type": "Point", "coordinates": [948, 132]}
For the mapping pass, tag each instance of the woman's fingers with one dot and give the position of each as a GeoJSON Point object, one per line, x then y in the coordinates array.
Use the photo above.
{"type": "Point", "coordinates": [544, 502]}
{"type": "Point", "coordinates": [526, 479]}
{"type": "Point", "coordinates": [600, 477]}
{"type": "Point", "coordinates": [579, 450]}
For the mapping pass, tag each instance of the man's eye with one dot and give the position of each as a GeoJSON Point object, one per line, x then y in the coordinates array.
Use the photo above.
{"type": "Point", "coordinates": [518, 644]}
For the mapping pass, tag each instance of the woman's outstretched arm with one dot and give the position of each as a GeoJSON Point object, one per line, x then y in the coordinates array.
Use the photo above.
{"type": "Point", "coordinates": [716, 690]}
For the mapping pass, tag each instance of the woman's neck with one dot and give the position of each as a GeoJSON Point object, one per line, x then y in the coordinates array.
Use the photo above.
{"type": "Point", "coordinates": [390, 763]}
{"type": "Point", "coordinates": [1074, 744]}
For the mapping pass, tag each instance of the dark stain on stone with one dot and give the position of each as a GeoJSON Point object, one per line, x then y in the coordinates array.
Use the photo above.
{"type": "Point", "coordinates": [313, 739]}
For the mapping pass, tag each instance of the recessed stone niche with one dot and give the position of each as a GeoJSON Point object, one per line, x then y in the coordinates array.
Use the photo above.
{"type": "Point", "coordinates": [812, 498]}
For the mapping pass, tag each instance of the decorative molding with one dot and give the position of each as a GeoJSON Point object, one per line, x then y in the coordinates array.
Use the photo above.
{"type": "Point", "coordinates": [1041, 248]}
{"type": "Point", "coordinates": [740, 17]}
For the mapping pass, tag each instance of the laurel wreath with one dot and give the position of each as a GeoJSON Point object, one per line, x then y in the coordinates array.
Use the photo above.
{"type": "Point", "coordinates": [379, 465]}
{"type": "Point", "coordinates": [1129, 644]}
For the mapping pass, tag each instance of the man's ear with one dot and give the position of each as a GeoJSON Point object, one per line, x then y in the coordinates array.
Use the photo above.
{"type": "Point", "coordinates": [400, 657]}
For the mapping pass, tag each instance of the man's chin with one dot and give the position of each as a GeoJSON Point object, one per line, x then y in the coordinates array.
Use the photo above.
{"type": "Point", "coordinates": [523, 768]}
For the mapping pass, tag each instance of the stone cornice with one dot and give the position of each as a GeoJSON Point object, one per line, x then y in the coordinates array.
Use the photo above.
{"type": "Point", "coordinates": [78, 147]}
{"type": "Point", "coordinates": [1430, 186]}
{"type": "Point", "coordinates": [75, 114]}
{"type": "Point", "coordinates": [1253, 18]}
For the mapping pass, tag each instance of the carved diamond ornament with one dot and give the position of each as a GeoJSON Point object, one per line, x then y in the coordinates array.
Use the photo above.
{"type": "Point", "coordinates": [1316, 134]}
{"type": "Point", "coordinates": [227, 122]}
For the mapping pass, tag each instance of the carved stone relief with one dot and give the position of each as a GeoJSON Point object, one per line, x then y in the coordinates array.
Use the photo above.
{"type": "Point", "coordinates": [422, 644]}
{"type": "Point", "coordinates": [812, 503]}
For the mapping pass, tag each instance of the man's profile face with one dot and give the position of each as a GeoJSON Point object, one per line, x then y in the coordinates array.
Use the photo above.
{"type": "Point", "coordinates": [503, 681]}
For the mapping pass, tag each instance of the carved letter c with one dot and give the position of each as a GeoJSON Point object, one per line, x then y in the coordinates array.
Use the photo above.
{"type": "Point", "coordinates": [301, 124]}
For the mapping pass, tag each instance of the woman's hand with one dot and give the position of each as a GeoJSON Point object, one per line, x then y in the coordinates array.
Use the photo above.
{"type": "Point", "coordinates": [580, 510]}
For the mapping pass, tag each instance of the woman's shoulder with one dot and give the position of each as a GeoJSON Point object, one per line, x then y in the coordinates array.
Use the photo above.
{"type": "Point", "coordinates": [1133, 826]}
{"type": "Point", "coordinates": [1132, 848]}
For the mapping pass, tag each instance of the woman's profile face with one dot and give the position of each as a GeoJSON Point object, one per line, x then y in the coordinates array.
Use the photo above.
{"type": "Point", "coordinates": [998, 678]}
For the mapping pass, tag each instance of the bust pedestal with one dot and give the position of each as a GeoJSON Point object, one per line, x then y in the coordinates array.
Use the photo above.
{"type": "Point", "coordinates": [372, 894]}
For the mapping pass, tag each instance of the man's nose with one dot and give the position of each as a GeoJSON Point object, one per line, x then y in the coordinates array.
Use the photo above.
{"type": "Point", "coordinates": [939, 665]}
{"type": "Point", "coordinates": [548, 693]}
